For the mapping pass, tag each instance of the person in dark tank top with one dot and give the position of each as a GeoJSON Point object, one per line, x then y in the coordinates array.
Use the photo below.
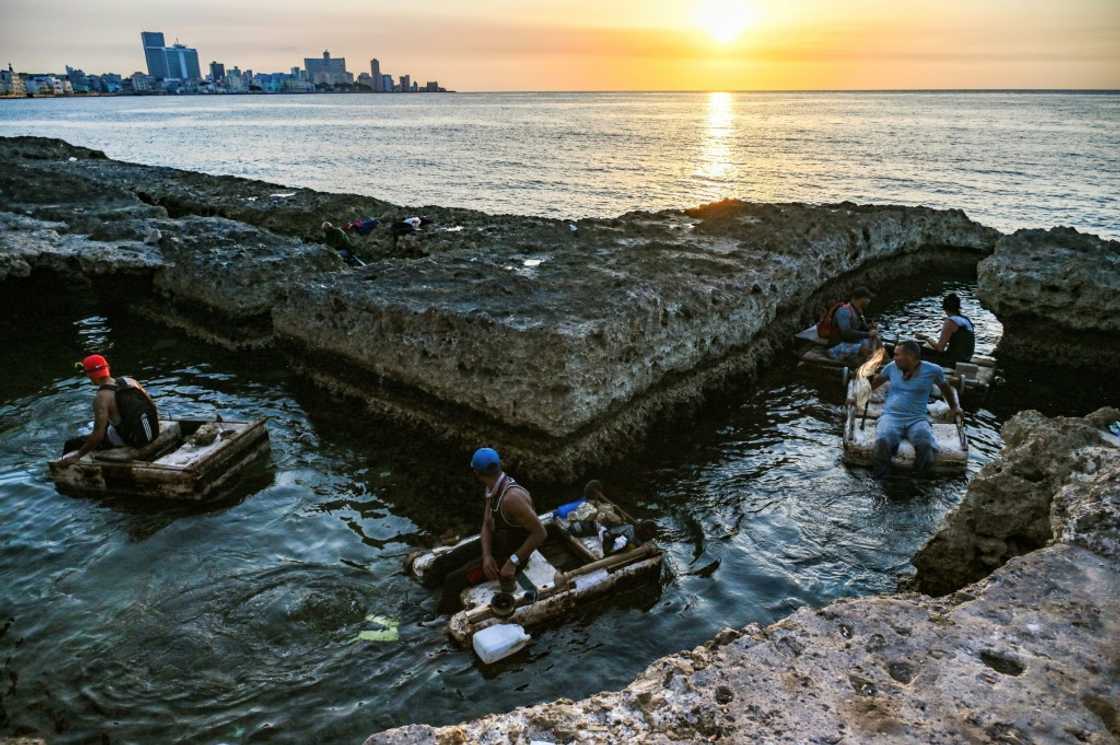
{"type": "Point", "coordinates": [957, 342]}
{"type": "Point", "coordinates": [511, 531]}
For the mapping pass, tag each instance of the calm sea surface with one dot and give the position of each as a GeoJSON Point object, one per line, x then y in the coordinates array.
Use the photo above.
{"type": "Point", "coordinates": [125, 622]}
{"type": "Point", "coordinates": [1010, 160]}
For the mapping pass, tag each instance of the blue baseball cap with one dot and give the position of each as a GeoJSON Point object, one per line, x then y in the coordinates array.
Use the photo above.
{"type": "Point", "coordinates": [485, 460]}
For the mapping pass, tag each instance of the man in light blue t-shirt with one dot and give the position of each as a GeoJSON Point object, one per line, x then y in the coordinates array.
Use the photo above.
{"type": "Point", "coordinates": [904, 412]}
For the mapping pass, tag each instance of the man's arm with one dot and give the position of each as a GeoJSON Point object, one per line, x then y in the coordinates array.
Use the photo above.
{"type": "Point", "coordinates": [489, 568]}
{"type": "Point", "coordinates": [950, 395]}
{"type": "Point", "coordinates": [877, 381]}
{"type": "Point", "coordinates": [947, 330]}
{"type": "Point", "coordinates": [520, 510]}
{"type": "Point", "coordinates": [100, 426]}
{"type": "Point", "coordinates": [845, 320]}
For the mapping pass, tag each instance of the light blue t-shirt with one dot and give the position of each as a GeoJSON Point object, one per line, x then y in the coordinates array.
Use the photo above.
{"type": "Point", "coordinates": [907, 399]}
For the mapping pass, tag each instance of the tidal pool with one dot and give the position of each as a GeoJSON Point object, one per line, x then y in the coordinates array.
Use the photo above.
{"type": "Point", "coordinates": [238, 622]}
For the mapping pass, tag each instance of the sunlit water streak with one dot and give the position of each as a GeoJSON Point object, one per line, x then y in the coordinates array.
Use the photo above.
{"type": "Point", "coordinates": [237, 622]}
{"type": "Point", "coordinates": [1010, 160]}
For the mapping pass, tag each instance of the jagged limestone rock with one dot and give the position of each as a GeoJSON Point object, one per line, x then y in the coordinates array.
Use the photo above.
{"type": "Point", "coordinates": [1057, 293]}
{"type": "Point", "coordinates": [1011, 505]}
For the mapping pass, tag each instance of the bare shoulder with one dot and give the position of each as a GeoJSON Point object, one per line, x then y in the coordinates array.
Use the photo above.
{"type": "Point", "coordinates": [520, 495]}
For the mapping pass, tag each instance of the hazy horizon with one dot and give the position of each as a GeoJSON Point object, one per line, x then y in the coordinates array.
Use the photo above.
{"type": "Point", "coordinates": [626, 46]}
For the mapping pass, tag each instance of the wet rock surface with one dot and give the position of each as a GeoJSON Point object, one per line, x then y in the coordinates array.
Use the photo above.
{"type": "Point", "coordinates": [1057, 293]}
{"type": "Point", "coordinates": [1026, 654]}
{"type": "Point", "coordinates": [1056, 480]}
{"type": "Point", "coordinates": [222, 269]}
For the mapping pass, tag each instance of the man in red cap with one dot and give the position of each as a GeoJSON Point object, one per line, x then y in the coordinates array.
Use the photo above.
{"type": "Point", "coordinates": [123, 412]}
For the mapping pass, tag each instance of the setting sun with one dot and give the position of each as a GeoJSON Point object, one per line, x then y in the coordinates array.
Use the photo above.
{"type": "Point", "coordinates": [724, 20]}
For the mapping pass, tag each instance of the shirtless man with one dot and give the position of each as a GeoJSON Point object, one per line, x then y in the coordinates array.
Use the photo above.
{"type": "Point", "coordinates": [124, 415]}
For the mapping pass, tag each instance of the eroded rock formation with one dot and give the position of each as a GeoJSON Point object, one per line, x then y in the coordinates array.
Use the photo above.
{"type": "Point", "coordinates": [1056, 480]}
{"type": "Point", "coordinates": [564, 343]}
{"type": "Point", "coordinates": [1027, 654]}
{"type": "Point", "coordinates": [1057, 293]}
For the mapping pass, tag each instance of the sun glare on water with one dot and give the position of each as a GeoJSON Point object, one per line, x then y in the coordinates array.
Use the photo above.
{"type": "Point", "coordinates": [724, 20]}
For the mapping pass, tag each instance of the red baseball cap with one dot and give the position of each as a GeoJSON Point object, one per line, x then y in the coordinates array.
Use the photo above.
{"type": "Point", "coordinates": [96, 366]}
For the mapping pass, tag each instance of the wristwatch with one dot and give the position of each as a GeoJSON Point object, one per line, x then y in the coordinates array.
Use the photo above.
{"type": "Point", "coordinates": [514, 560]}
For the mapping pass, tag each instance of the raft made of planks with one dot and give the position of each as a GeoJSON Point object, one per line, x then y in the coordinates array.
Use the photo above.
{"type": "Point", "coordinates": [560, 576]}
{"type": "Point", "coordinates": [859, 436]}
{"type": "Point", "coordinates": [189, 460]}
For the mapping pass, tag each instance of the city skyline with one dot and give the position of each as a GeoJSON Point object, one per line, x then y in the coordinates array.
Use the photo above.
{"type": "Point", "coordinates": [629, 45]}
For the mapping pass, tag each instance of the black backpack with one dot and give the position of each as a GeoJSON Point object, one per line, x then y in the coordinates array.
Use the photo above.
{"type": "Point", "coordinates": [139, 421]}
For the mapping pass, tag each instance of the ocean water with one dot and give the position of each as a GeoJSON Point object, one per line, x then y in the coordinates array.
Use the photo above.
{"type": "Point", "coordinates": [238, 622]}
{"type": "Point", "coordinates": [1010, 160]}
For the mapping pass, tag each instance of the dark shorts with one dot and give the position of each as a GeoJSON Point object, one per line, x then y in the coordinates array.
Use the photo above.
{"type": "Point", "coordinates": [462, 567]}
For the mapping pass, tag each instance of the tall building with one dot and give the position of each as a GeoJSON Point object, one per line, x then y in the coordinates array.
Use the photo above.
{"type": "Point", "coordinates": [154, 44]}
{"type": "Point", "coordinates": [176, 62]}
{"type": "Point", "coordinates": [182, 63]}
{"type": "Point", "coordinates": [217, 71]}
{"type": "Point", "coordinates": [375, 73]}
{"type": "Point", "coordinates": [327, 69]}
{"type": "Point", "coordinates": [406, 83]}
{"type": "Point", "coordinates": [386, 83]}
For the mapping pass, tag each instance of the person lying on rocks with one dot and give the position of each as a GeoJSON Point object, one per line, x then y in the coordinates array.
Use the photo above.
{"type": "Point", "coordinates": [905, 415]}
{"type": "Point", "coordinates": [958, 336]}
{"type": "Point", "coordinates": [124, 415]}
{"type": "Point", "coordinates": [336, 238]}
{"type": "Point", "coordinates": [851, 337]}
{"type": "Point", "coordinates": [511, 531]}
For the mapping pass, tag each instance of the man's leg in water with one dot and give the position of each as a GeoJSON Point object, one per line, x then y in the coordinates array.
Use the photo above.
{"type": "Point", "coordinates": [920, 435]}
{"type": "Point", "coordinates": [888, 436]}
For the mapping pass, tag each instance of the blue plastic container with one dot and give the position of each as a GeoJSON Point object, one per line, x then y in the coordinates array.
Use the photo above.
{"type": "Point", "coordinates": [564, 510]}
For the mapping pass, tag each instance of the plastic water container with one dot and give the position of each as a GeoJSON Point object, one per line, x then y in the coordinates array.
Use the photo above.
{"type": "Point", "coordinates": [498, 642]}
{"type": "Point", "coordinates": [564, 510]}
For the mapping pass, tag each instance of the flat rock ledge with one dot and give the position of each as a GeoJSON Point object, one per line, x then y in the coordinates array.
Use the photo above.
{"type": "Point", "coordinates": [1057, 293]}
{"type": "Point", "coordinates": [1027, 654]}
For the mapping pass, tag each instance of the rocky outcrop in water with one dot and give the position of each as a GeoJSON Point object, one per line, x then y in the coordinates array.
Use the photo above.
{"type": "Point", "coordinates": [1057, 480]}
{"type": "Point", "coordinates": [563, 343]}
{"type": "Point", "coordinates": [1057, 293]}
{"type": "Point", "coordinates": [1026, 655]}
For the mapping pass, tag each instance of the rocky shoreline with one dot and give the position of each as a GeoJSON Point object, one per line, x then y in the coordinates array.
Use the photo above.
{"type": "Point", "coordinates": [1025, 654]}
{"type": "Point", "coordinates": [566, 342]}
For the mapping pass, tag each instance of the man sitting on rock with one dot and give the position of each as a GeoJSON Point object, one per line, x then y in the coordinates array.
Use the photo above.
{"type": "Point", "coordinates": [511, 531]}
{"type": "Point", "coordinates": [124, 415]}
{"type": "Point", "coordinates": [851, 337]}
{"type": "Point", "coordinates": [905, 415]}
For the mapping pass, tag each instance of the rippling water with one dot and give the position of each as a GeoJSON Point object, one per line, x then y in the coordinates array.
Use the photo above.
{"type": "Point", "coordinates": [1011, 160]}
{"type": "Point", "coordinates": [237, 623]}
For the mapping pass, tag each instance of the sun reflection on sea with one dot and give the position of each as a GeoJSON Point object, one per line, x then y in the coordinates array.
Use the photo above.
{"type": "Point", "coordinates": [715, 156]}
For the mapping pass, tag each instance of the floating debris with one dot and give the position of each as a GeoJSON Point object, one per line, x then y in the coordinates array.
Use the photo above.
{"type": "Point", "coordinates": [388, 630]}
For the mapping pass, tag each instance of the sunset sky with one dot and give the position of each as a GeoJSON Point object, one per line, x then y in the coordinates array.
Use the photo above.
{"type": "Point", "coordinates": [597, 45]}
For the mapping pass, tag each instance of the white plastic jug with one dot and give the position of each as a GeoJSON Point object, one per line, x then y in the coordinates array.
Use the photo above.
{"type": "Point", "coordinates": [498, 642]}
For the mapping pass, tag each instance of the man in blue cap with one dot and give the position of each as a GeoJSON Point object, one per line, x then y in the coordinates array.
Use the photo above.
{"type": "Point", "coordinates": [511, 531]}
